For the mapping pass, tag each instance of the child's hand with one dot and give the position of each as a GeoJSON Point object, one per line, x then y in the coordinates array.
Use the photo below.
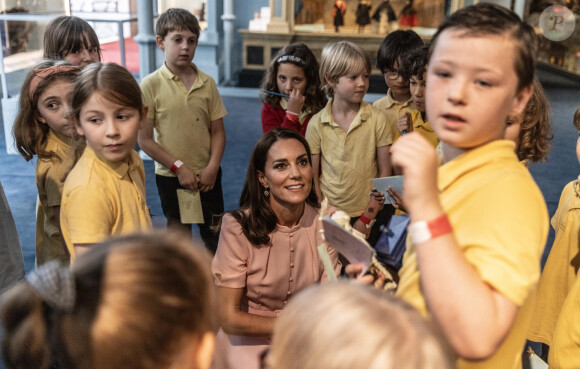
{"type": "Point", "coordinates": [396, 195]}
{"type": "Point", "coordinates": [187, 178]}
{"type": "Point", "coordinates": [207, 178]}
{"type": "Point", "coordinates": [296, 102]}
{"type": "Point", "coordinates": [405, 123]}
{"type": "Point", "coordinates": [377, 197]}
{"type": "Point", "coordinates": [418, 160]}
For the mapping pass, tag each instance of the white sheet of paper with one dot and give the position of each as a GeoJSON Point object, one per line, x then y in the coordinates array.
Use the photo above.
{"type": "Point", "coordinates": [355, 250]}
{"type": "Point", "coordinates": [189, 206]}
{"type": "Point", "coordinates": [382, 184]}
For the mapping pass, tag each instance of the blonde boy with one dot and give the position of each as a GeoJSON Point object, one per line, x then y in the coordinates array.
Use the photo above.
{"type": "Point", "coordinates": [349, 139]}
{"type": "Point", "coordinates": [478, 223]}
{"type": "Point", "coordinates": [184, 131]}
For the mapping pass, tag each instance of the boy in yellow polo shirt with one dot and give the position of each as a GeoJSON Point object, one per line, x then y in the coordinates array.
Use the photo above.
{"type": "Point", "coordinates": [416, 62]}
{"type": "Point", "coordinates": [391, 61]}
{"type": "Point", "coordinates": [478, 222]}
{"type": "Point", "coordinates": [349, 139]}
{"type": "Point", "coordinates": [184, 131]}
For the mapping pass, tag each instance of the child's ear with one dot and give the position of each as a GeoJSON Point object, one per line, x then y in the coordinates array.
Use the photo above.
{"type": "Point", "coordinates": [521, 100]}
{"type": "Point", "coordinates": [159, 42]}
{"type": "Point", "coordinates": [78, 127]}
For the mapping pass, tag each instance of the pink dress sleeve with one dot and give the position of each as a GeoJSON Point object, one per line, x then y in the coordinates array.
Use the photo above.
{"type": "Point", "coordinates": [230, 263]}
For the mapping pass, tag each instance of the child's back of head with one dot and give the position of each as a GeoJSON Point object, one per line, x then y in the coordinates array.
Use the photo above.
{"type": "Point", "coordinates": [343, 325]}
{"type": "Point", "coordinates": [133, 302]}
{"type": "Point", "coordinates": [176, 19]}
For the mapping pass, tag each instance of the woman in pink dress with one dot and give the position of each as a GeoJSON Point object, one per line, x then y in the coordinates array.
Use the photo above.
{"type": "Point", "coordinates": [267, 250]}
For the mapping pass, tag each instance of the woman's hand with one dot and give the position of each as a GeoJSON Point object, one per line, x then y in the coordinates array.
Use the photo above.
{"type": "Point", "coordinates": [296, 102]}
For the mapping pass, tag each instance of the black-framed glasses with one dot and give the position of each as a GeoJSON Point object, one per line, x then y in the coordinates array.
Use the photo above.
{"type": "Point", "coordinates": [392, 73]}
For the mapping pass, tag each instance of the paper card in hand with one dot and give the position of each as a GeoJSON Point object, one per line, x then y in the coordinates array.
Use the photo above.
{"type": "Point", "coordinates": [382, 184]}
{"type": "Point", "coordinates": [189, 206]}
{"type": "Point", "coordinates": [354, 249]}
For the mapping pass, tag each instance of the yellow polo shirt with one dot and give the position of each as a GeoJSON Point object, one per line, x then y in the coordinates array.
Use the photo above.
{"type": "Point", "coordinates": [500, 221]}
{"type": "Point", "coordinates": [565, 349]}
{"type": "Point", "coordinates": [50, 176]}
{"type": "Point", "coordinates": [561, 267]}
{"type": "Point", "coordinates": [348, 160]}
{"type": "Point", "coordinates": [393, 111]}
{"type": "Point", "coordinates": [424, 128]}
{"type": "Point", "coordinates": [102, 199]}
{"type": "Point", "coordinates": [182, 118]}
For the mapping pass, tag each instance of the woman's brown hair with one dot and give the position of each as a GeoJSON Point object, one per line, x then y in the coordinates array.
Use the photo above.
{"type": "Point", "coordinates": [255, 214]}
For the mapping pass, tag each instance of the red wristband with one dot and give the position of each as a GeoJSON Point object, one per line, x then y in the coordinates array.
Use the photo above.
{"type": "Point", "coordinates": [364, 219]}
{"type": "Point", "coordinates": [424, 231]}
{"type": "Point", "coordinates": [176, 165]}
{"type": "Point", "coordinates": [293, 117]}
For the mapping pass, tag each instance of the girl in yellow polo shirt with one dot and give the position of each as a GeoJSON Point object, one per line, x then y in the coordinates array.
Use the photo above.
{"type": "Point", "coordinates": [104, 193]}
{"type": "Point", "coordinates": [42, 129]}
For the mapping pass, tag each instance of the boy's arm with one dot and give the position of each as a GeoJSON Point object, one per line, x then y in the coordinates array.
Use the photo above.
{"type": "Point", "coordinates": [315, 177]}
{"type": "Point", "coordinates": [474, 317]}
{"type": "Point", "coordinates": [208, 174]}
{"type": "Point", "coordinates": [187, 178]}
{"type": "Point", "coordinates": [384, 161]}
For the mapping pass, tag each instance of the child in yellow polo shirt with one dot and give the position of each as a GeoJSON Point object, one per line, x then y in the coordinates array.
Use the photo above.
{"type": "Point", "coordinates": [184, 130]}
{"type": "Point", "coordinates": [416, 120]}
{"type": "Point", "coordinates": [479, 222]}
{"type": "Point", "coordinates": [391, 61]}
{"type": "Point", "coordinates": [561, 268]}
{"type": "Point", "coordinates": [349, 139]}
{"type": "Point", "coordinates": [104, 194]}
{"type": "Point", "coordinates": [565, 350]}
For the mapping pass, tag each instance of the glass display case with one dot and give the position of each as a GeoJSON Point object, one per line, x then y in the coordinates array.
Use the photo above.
{"type": "Point", "coordinates": [562, 52]}
{"type": "Point", "coordinates": [22, 25]}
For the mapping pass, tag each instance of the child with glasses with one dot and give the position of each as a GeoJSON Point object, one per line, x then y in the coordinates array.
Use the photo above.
{"type": "Point", "coordinates": [390, 59]}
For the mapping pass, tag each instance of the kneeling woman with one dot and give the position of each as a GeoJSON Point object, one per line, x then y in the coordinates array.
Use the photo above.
{"type": "Point", "coordinates": [267, 250]}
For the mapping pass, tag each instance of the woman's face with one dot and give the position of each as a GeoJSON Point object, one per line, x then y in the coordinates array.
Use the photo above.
{"type": "Point", "coordinates": [287, 174]}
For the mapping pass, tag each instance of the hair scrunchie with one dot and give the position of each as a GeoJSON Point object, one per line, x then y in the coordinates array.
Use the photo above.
{"type": "Point", "coordinates": [55, 284]}
{"type": "Point", "coordinates": [40, 74]}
